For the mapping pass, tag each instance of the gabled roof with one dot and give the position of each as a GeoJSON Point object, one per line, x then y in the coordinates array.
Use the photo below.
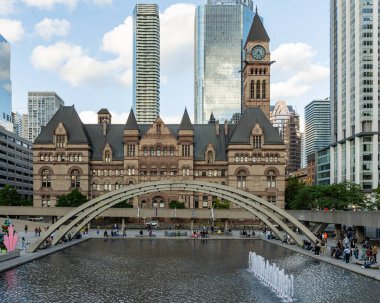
{"type": "Point", "coordinates": [251, 116]}
{"type": "Point", "coordinates": [69, 117]}
{"type": "Point", "coordinates": [257, 31]}
{"type": "Point", "coordinates": [131, 121]}
{"type": "Point", "coordinates": [185, 122]}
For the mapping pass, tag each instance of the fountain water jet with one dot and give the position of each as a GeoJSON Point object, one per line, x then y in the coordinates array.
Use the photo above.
{"type": "Point", "coordinates": [272, 276]}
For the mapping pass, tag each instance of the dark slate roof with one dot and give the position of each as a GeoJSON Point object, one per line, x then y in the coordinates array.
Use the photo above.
{"type": "Point", "coordinates": [248, 120]}
{"type": "Point", "coordinates": [104, 111]}
{"type": "Point", "coordinates": [69, 117]}
{"type": "Point", "coordinates": [114, 137]}
{"type": "Point", "coordinates": [131, 121]}
{"type": "Point", "coordinates": [257, 31]}
{"type": "Point", "coordinates": [185, 122]}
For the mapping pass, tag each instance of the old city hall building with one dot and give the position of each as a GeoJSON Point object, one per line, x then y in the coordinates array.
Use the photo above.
{"type": "Point", "coordinates": [97, 158]}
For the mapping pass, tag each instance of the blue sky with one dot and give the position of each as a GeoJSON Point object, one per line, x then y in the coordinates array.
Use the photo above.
{"type": "Point", "coordinates": [82, 49]}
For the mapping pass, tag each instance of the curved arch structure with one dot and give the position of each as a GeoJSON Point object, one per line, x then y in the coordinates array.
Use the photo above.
{"type": "Point", "coordinates": [270, 214]}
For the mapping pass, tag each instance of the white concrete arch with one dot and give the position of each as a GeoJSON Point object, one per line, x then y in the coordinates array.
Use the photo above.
{"type": "Point", "coordinates": [260, 208]}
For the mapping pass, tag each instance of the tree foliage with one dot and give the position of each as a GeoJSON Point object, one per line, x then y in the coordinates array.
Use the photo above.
{"type": "Point", "coordinates": [218, 204]}
{"type": "Point", "coordinates": [9, 196]}
{"type": "Point", "coordinates": [124, 204]}
{"type": "Point", "coordinates": [176, 204]}
{"type": "Point", "coordinates": [294, 185]}
{"type": "Point", "coordinates": [337, 196]}
{"type": "Point", "coordinates": [73, 199]}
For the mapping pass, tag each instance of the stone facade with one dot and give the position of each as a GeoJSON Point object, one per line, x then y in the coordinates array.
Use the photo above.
{"type": "Point", "coordinates": [99, 158]}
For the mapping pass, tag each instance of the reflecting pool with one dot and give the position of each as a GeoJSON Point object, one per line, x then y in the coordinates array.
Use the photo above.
{"type": "Point", "coordinates": [158, 270]}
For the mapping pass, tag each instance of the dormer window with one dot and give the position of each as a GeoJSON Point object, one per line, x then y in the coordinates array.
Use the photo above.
{"type": "Point", "coordinates": [158, 129]}
{"type": "Point", "coordinates": [107, 156]}
{"type": "Point", "coordinates": [60, 141]}
{"type": "Point", "coordinates": [210, 157]}
{"type": "Point", "coordinates": [256, 141]}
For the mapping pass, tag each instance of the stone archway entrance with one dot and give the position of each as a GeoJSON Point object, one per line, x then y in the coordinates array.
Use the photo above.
{"type": "Point", "coordinates": [268, 213]}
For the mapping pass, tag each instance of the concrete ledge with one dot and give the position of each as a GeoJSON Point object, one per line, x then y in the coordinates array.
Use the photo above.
{"type": "Point", "coordinates": [11, 255]}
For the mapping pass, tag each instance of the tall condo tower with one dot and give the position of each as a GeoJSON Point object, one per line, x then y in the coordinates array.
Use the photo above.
{"type": "Point", "coordinates": [41, 108]}
{"type": "Point", "coordinates": [5, 85]}
{"type": "Point", "coordinates": [354, 59]}
{"type": "Point", "coordinates": [221, 29]}
{"type": "Point", "coordinates": [317, 126]}
{"type": "Point", "coordinates": [146, 62]}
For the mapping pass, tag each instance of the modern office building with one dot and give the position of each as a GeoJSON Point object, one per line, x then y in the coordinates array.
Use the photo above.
{"type": "Point", "coordinates": [146, 62]}
{"type": "Point", "coordinates": [317, 125]}
{"type": "Point", "coordinates": [221, 29]}
{"type": "Point", "coordinates": [41, 108]}
{"type": "Point", "coordinates": [355, 92]}
{"type": "Point", "coordinates": [5, 85]}
{"type": "Point", "coordinates": [287, 121]}
{"type": "Point", "coordinates": [303, 154]}
{"type": "Point", "coordinates": [16, 166]}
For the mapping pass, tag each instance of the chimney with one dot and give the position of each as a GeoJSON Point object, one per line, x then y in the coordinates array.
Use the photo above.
{"type": "Point", "coordinates": [217, 127]}
{"type": "Point", "coordinates": [225, 128]}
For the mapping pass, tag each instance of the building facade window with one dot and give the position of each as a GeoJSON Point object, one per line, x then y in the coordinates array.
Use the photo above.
{"type": "Point", "coordinates": [258, 89]}
{"type": "Point", "coordinates": [185, 150]}
{"type": "Point", "coordinates": [263, 89]}
{"type": "Point", "coordinates": [46, 201]}
{"type": "Point", "coordinates": [131, 150]}
{"type": "Point", "coordinates": [210, 157]}
{"type": "Point", "coordinates": [271, 179]}
{"type": "Point", "coordinates": [60, 140]}
{"type": "Point", "coordinates": [252, 89]}
{"type": "Point", "coordinates": [256, 141]}
{"type": "Point", "coordinates": [241, 179]}
{"type": "Point", "coordinates": [75, 179]}
{"type": "Point", "coordinates": [46, 178]}
{"type": "Point", "coordinates": [107, 156]}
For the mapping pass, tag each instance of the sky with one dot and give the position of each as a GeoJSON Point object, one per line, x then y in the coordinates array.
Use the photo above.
{"type": "Point", "coordinates": [83, 49]}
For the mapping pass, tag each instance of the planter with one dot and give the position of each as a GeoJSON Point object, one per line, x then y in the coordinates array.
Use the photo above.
{"type": "Point", "coordinates": [11, 255]}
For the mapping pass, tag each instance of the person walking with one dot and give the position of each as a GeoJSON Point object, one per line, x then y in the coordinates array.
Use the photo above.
{"type": "Point", "coordinates": [317, 248]}
{"type": "Point", "coordinates": [26, 229]}
{"type": "Point", "coordinates": [374, 252]}
{"type": "Point", "coordinates": [347, 254]}
{"type": "Point", "coordinates": [23, 243]}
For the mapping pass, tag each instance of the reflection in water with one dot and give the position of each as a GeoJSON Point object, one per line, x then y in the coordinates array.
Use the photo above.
{"type": "Point", "coordinates": [156, 270]}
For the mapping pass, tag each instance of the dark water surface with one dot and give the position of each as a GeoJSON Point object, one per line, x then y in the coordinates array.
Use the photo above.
{"type": "Point", "coordinates": [157, 270]}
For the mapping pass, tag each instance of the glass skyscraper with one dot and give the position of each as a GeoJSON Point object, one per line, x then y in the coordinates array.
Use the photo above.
{"type": "Point", "coordinates": [146, 62]}
{"type": "Point", "coordinates": [5, 85]}
{"type": "Point", "coordinates": [221, 28]}
{"type": "Point", "coordinates": [354, 59]}
{"type": "Point", "coordinates": [317, 126]}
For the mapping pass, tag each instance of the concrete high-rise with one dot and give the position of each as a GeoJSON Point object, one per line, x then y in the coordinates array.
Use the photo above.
{"type": "Point", "coordinates": [146, 62]}
{"type": "Point", "coordinates": [317, 126]}
{"type": "Point", "coordinates": [5, 85]}
{"type": "Point", "coordinates": [354, 59]}
{"type": "Point", "coordinates": [41, 108]}
{"type": "Point", "coordinates": [221, 30]}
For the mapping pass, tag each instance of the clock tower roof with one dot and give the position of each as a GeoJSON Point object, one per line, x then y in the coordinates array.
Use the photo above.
{"type": "Point", "coordinates": [257, 31]}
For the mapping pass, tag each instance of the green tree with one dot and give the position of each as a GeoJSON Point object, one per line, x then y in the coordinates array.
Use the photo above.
{"type": "Point", "coordinates": [176, 204]}
{"type": "Point", "coordinates": [73, 199]}
{"type": "Point", "coordinates": [375, 199]}
{"type": "Point", "coordinates": [124, 204]}
{"type": "Point", "coordinates": [218, 204]}
{"type": "Point", "coordinates": [9, 196]}
{"type": "Point", "coordinates": [292, 188]}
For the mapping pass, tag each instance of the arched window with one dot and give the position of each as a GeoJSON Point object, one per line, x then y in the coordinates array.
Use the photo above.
{"type": "Point", "coordinates": [171, 151]}
{"type": "Point", "coordinates": [117, 185]}
{"type": "Point", "coordinates": [107, 156]}
{"type": "Point", "coordinates": [158, 151]}
{"type": "Point", "coordinates": [271, 179]}
{"type": "Point", "coordinates": [252, 89]}
{"type": "Point", "coordinates": [255, 71]}
{"type": "Point", "coordinates": [251, 71]}
{"type": "Point", "coordinates": [241, 179]}
{"type": "Point", "coordinates": [152, 151]}
{"type": "Point", "coordinates": [165, 151]}
{"type": "Point", "coordinates": [93, 185]}
{"type": "Point", "coordinates": [210, 157]}
{"type": "Point", "coordinates": [42, 157]}
{"type": "Point", "coordinates": [263, 89]}
{"type": "Point", "coordinates": [75, 179]}
{"type": "Point", "coordinates": [258, 89]}
{"type": "Point", "coordinates": [265, 71]}
{"type": "Point", "coordinates": [46, 178]}
{"type": "Point", "coordinates": [260, 72]}
{"type": "Point", "coordinates": [145, 151]}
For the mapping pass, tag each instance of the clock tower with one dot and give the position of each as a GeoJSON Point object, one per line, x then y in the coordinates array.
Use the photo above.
{"type": "Point", "coordinates": [256, 68]}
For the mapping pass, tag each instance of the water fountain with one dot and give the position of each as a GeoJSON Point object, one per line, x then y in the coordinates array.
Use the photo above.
{"type": "Point", "coordinates": [272, 276]}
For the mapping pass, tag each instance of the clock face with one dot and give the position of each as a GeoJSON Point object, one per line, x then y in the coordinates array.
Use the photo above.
{"type": "Point", "coordinates": [258, 52]}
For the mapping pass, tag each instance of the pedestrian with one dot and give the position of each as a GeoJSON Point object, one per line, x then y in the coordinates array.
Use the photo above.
{"type": "Point", "coordinates": [23, 243]}
{"type": "Point", "coordinates": [36, 231]}
{"type": "Point", "coordinates": [374, 252]}
{"type": "Point", "coordinates": [323, 247]}
{"type": "Point", "coordinates": [317, 248]}
{"type": "Point", "coordinates": [39, 231]}
{"type": "Point", "coordinates": [347, 254]}
{"type": "Point", "coordinates": [26, 228]}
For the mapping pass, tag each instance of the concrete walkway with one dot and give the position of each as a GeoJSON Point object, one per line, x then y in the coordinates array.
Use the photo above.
{"type": "Point", "coordinates": [160, 234]}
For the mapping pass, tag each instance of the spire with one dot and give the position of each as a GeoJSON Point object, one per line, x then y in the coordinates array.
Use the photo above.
{"type": "Point", "coordinates": [131, 121]}
{"type": "Point", "coordinates": [185, 122]}
{"type": "Point", "coordinates": [257, 31]}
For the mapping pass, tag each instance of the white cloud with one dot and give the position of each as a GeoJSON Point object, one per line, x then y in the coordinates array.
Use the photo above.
{"type": "Point", "coordinates": [177, 37]}
{"type": "Point", "coordinates": [294, 62]}
{"type": "Point", "coordinates": [7, 7]}
{"type": "Point", "coordinates": [50, 4]}
{"type": "Point", "coordinates": [48, 28]}
{"type": "Point", "coordinates": [101, 2]}
{"type": "Point", "coordinates": [72, 64]}
{"type": "Point", "coordinates": [90, 117]}
{"type": "Point", "coordinates": [12, 30]}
